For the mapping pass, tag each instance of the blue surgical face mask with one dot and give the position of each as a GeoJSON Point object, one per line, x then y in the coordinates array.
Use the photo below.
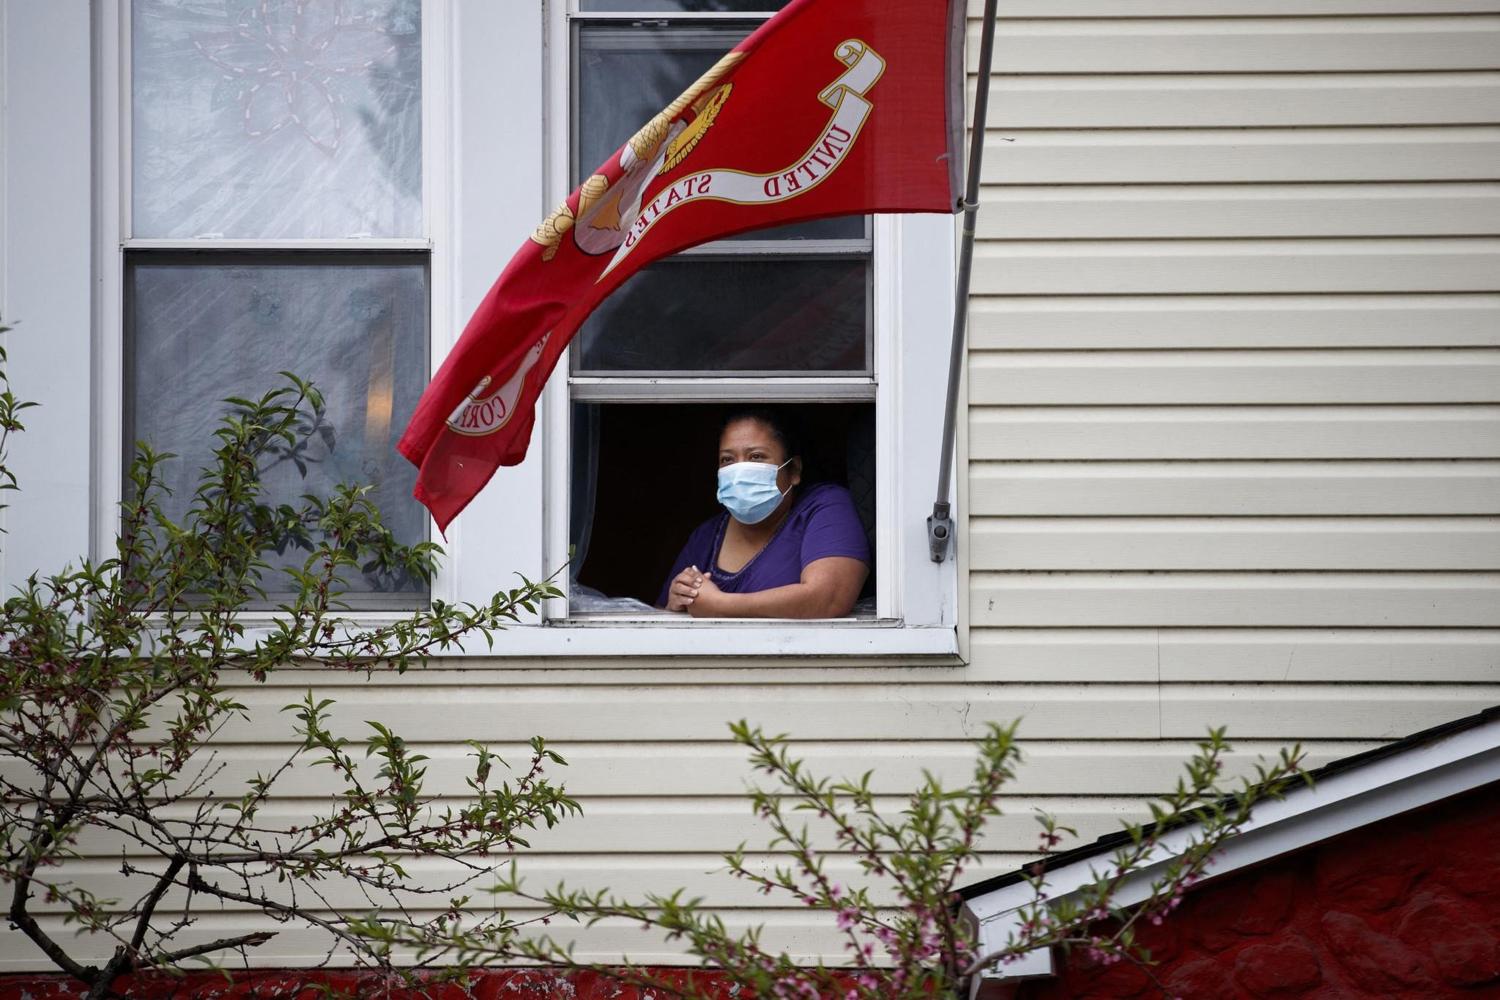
{"type": "Point", "coordinates": [748, 490]}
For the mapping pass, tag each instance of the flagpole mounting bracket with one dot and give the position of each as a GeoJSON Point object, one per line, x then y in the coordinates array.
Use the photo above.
{"type": "Point", "coordinates": [940, 524]}
{"type": "Point", "coordinates": [939, 531]}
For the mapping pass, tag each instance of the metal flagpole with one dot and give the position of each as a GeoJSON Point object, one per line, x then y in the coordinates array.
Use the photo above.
{"type": "Point", "coordinates": [940, 524]}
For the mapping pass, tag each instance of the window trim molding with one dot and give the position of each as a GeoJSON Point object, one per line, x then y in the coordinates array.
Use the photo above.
{"type": "Point", "coordinates": [111, 201]}
{"type": "Point", "coordinates": [46, 272]}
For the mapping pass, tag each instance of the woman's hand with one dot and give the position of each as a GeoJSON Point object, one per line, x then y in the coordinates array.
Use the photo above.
{"type": "Point", "coordinates": [710, 601]}
{"type": "Point", "coordinates": [696, 593]}
{"type": "Point", "coordinates": [829, 588]}
{"type": "Point", "coordinates": [684, 589]}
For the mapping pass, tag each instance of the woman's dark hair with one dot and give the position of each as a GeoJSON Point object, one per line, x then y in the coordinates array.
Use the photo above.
{"type": "Point", "coordinates": [784, 428]}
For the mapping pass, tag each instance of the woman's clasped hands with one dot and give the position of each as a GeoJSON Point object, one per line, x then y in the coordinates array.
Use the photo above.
{"type": "Point", "coordinates": [695, 592]}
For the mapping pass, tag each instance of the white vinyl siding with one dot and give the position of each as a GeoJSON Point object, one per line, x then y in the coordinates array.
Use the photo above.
{"type": "Point", "coordinates": [1232, 458]}
{"type": "Point", "coordinates": [1234, 357]}
{"type": "Point", "coordinates": [1233, 378]}
{"type": "Point", "coordinates": [1234, 426]}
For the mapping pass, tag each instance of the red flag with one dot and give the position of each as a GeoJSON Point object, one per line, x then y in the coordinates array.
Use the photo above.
{"type": "Point", "coordinates": [832, 107]}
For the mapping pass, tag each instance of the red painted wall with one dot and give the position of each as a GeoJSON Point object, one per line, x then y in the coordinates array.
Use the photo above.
{"type": "Point", "coordinates": [1409, 907]}
{"type": "Point", "coordinates": [514, 984]}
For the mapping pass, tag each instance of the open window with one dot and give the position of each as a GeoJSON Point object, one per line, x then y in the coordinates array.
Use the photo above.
{"type": "Point", "coordinates": [826, 320]}
{"type": "Point", "coordinates": [643, 478]}
{"type": "Point", "coordinates": [789, 307]}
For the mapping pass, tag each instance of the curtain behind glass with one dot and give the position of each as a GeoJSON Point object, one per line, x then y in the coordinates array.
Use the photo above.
{"type": "Point", "coordinates": [201, 330]}
{"type": "Point", "coordinates": [276, 119]}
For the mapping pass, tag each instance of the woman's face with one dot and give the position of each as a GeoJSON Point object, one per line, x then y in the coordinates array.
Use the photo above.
{"type": "Point", "coordinates": [752, 441]}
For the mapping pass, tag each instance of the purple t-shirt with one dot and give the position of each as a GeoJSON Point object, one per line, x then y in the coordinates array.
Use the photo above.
{"type": "Point", "coordinates": [822, 523]}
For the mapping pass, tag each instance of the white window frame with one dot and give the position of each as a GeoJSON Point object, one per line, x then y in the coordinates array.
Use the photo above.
{"type": "Point", "coordinates": [492, 166]}
{"type": "Point", "coordinates": [916, 599]}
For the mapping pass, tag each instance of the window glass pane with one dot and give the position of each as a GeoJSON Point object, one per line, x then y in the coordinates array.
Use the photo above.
{"type": "Point", "coordinates": [627, 74]}
{"type": "Point", "coordinates": [206, 326]}
{"type": "Point", "coordinates": [737, 314]}
{"type": "Point", "coordinates": [691, 6]}
{"type": "Point", "coordinates": [276, 119]}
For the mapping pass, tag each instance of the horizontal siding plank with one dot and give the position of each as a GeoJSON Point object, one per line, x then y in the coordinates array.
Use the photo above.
{"type": "Point", "coordinates": [1233, 488]}
{"type": "Point", "coordinates": [1406, 655]}
{"type": "Point", "coordinates": [1189, 432]}
{"type": "Point", "coordinates": [1258, 377]}
{"type": "Point", "coordinates": [1381, 712]}
{"type": "Point", "coordinates": [1217, 322]}
{"type": "Point", "coordinates": [664, 771]}
{"type": "Point", "coordinates": [1156, 267]}
{"type": "Point", "coordinates": [1262, 155]}
{"type": "Point", "coordinates": [800, 932]}
{"type": "Point", "coordinates": [567, 714]}
{"type": "Point", "coordinates": [632, 876]}
{"type": "Point", "coordinates": [1241, 100]}
{"type": "Point", "coordinates": [1063, 767]}
{"type": "Point", "coordinates": [1162, 211]}
{"type": "Point", "coordinates": [1236, 45]}
{"type": "Point", "coordinates": [1246, 655]}
{"type": "Point", "coordinates": [683, 824]}
{"type": "Point", "coordinates": [1239, 544]}
{"type": "Point", "coordinates": [1239, 600]}
{"type": "Point", "coordinates": [1228, 8]}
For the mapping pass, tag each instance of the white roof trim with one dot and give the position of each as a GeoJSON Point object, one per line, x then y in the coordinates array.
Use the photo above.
{"type": "Point", "coordinates": [1343, 801]}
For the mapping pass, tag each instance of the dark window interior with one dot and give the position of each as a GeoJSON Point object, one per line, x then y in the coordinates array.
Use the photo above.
{"type": "Point", "coordinates": [644, 476]}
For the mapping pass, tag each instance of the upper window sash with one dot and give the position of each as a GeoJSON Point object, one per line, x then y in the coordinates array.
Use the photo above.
{"type": "Point", "coordinates": [621, 73]}
{"type": "Point", "coordinates": [601, 119]}
{"type": "Point", "coordinates": [273, 123]}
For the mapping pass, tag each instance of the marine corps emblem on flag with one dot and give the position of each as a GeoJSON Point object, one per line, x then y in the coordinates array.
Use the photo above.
{"type": "Point", "coordinates": [832, 107]}
{"type": "Point", "coordinates": [484, 412]}
{"type": "Point", "coordinates": [846, 96]}
{"type": "Point", "coordinates": [606, 213]}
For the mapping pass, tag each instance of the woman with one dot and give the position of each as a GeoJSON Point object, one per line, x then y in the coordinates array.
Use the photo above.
{"type": "Point", "coordinates": [777, 551]}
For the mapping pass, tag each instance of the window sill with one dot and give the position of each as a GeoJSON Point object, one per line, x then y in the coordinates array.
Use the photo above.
{"type": "Point", "coordinates": [678, 619]}
{"type": "Point", "coordinates": [674, 635]}
{"type": "Point", "coordinates": [615, 637]}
